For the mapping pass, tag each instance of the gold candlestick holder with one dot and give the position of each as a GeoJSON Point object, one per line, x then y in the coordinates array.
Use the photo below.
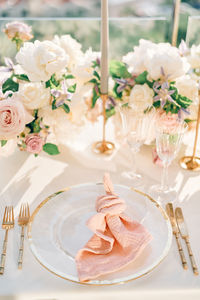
{"type": "Point", "coordinates": [192, 163]}
{"type": "Point", "coordinates": [103, 147]}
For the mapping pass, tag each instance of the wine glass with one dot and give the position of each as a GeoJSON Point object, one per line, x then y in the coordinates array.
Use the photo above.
{"type": "Point", "coordinates": [168, 142]}
{"type": "Point", "coordinates": [135, 130]}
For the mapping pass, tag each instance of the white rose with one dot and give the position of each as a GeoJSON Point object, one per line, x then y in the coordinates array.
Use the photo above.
{"type": "Point", "coordinates": [141, 97]}
{"type": "Point", "coordinates": [61, 128]}
{"type": "Point", "coordinates": [71, 47]}
{"type": "Point", "coordinates": [167, 58]}
{"type": "Point", "coordinates": [187, 87]}
{"type": "Point", "coordinates": [136, 59]}
{"type": "Point", "coordinates": [41, 59]}
{"type": "Point", "coordinates": [153, 57]}
{"type": "Point", "coordinates": [194, 57]}
{"type": "Point", "coordinates": [83, 71]}
{"type": "Point", "coordinates": [34, 95]}
{"type": "Point", "coordinates": [78, 108]}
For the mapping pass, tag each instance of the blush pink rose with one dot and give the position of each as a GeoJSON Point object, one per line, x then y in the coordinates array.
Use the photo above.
{"type": "Point", "coordinates": [19, 30]}
{"type": "Point", "coordinates": [13, 118]}
{"type": "Point", "coordinates": [34, 143]}
{"type": "Point", "coordinates": [167, 120]}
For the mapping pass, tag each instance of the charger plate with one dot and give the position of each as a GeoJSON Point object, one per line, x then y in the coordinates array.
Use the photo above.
{"type": "Point", "coordinates": [57, 230]}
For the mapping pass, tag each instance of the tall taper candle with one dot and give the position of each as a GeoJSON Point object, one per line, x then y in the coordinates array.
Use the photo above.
{"type": "Point", "coordinates": [104, 46]}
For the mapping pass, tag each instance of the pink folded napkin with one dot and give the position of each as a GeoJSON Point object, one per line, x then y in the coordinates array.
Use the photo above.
{"type": "Point", "coordinates": [117, 239]}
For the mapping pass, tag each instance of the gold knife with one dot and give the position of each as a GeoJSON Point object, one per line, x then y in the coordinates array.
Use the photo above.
{"type": "Point", "coordinates": [170, 212]}
{"type": "Point", "coordinates": [184, 233]}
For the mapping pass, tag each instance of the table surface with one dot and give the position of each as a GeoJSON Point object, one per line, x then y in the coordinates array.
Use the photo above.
{"type": "Point", "coordinates": [25, 178]}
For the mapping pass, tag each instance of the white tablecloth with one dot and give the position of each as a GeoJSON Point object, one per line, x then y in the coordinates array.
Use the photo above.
{"type": "Point", "coordinates": [26, 178]}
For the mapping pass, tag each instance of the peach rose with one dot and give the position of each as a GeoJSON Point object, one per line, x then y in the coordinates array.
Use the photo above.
{"type": "Point", "coordinates": [13, 118]}
{"type": "Point", "coordinates": [34, 143]}
{"type": "Point", "coordinates": [167, 120]}
{"type": "Point", "coordinates": [18, 30]}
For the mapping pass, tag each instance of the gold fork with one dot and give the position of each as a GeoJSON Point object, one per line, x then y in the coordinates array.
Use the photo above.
{"type": "Point", "coordinates": [23, 220]}
{"type": "Point", "coordinates": [8, 223]}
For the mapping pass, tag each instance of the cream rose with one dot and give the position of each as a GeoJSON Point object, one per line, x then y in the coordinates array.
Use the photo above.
{"type": "Point", "coordinates": [141, 97]}
{"type": "Point", "coordinates": [61, 128]}
{"type": "Point", "coordinates": [153, 57]}
{"type": "Point", "coordinates": [167, 58]}
{"type": "Point", "coordinates": [136, 60]}
{"type": "Point", "coordinates": [71, 47]}
{"type": "Point", "coordinates": [13, 118]}
{"type": "Point", "coordinates": [41, 60]}
{"type": "Point", "coordinates": [187, 87]}
{"type": "Point", "coordinates": [83, 71]}
{"type": "Point", "coordinates": [194, 57]}
{"type": "Point", "coordinates": [34, 95]}
{"type": "Point", "coordinates": [18, 30]}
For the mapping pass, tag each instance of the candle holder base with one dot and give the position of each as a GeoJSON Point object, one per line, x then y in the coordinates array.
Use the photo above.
{"type": "Point", "coordinates": [190, 163]}
{"type": "Point", "coordinates": [103, 147]}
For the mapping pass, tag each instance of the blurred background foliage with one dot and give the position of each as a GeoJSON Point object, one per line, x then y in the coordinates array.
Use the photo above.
{"type": "Point", "coordinates": [130, 21]}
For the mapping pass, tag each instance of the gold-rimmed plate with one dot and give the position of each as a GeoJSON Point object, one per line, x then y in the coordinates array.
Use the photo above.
{"type": "Point", "coordinates": [57, 230]}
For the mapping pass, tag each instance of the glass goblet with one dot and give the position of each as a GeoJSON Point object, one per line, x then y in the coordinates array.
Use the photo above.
{"type": "Point", "coordinates": [135, 130]}
{"type": "Point", "coordinates": [168, 143]}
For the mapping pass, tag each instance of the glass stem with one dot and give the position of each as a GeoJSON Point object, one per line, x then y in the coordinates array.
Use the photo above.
{"type": "Point", "coordinates": [133, 162]}
{"type": "Point", "coordinates": [164, 179]}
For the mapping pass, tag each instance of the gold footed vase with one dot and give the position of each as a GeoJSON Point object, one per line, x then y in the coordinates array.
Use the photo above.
{"type": "Point", "coordinates": [103, 147]}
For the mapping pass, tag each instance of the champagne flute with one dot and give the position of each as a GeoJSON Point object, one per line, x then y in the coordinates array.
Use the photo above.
{"type": "Point", "coordinates": [168, 143]}
{"type": "Point", "coordinates": [135, 130]}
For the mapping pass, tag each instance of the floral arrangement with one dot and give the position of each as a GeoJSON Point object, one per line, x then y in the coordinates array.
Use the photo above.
{"type": "Point", "coordinates": [53, 88]}
{"type": "Point", "coordinates": [45, 95]}
{"type": "Point", "coordinates": [155, 75]}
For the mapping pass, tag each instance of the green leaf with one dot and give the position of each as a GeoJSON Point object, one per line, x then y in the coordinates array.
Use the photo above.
{"type": "Point", "coordinates": [96, 74]}
{"type": "Point", "coordinates": [10, 85]}
{"type": "Point", "coordinates": [118, 69]}
{"type": "Point", "coordinates": [142, 78]}
{"type": "Point", "coordinates": [53, 104]}
{"type": "Point", "coordinates": [72, 88]}
{"type": "Point", "coordinates": [95, 97]}
{"type": "Point", "coordinates": [22, 77]}
{"type": "Point", "coordinates": [69, 76]}
{"type": "Point", "coordinates": [116, 94]}
{"type": "Point", "coordinates": [51, 149]}
{"type": "Point", "coordinates": [3, 142]}
{"type": "Point", "coordinates": [36, 127]}
{"type": "Point", "coordinates": [54, 81]}
{"type": "Point", "coordinates": [183, 101]}
{"type": "Point", "coordinates": [110, 112]}
{"type": "Point", "coordinates": [156, 104]}
{"type": "Point", "coordinates": [93, 80]}
{"type": "Point", "coordinates": [65, 107]}
{"type": "Point", "coordinates": [95, 64]}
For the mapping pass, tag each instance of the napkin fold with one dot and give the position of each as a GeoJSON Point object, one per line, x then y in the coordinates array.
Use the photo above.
{"type": "Point", "coordinates": [117, 239]}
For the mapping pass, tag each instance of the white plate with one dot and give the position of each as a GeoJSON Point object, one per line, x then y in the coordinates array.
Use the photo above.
{"type": "Point", "coordinates": [57, 230]}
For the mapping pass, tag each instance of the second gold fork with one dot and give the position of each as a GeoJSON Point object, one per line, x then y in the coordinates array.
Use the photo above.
{"type": "Point", "coordinates": [23, 220]}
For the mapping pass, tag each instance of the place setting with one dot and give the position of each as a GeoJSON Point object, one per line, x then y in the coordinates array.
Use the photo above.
{"type": "Point", "coordinates": [129, 121]}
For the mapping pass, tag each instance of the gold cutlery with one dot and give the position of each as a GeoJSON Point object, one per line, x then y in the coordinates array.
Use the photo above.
{"type": "Point", "coordinates": [8, 223]}
{"type": "Point", "coordinates": [184, 234]}
{"type": "Point", "coordinates": [170, 212]}
{"type": "Point", "coordinates": [23, 219]}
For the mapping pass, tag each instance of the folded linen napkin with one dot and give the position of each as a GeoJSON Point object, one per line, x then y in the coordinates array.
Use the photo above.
{"type": "Point", "coordinates": [117, 239]}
